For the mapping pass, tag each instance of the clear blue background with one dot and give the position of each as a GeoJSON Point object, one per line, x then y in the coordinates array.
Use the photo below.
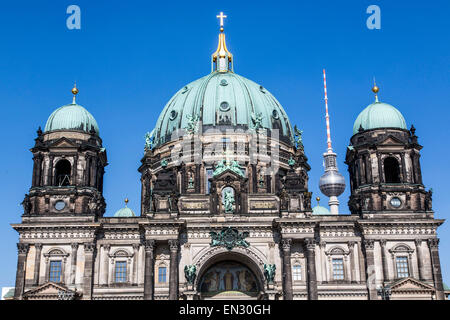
{"type": "Point", "coordinates": [130, 57]}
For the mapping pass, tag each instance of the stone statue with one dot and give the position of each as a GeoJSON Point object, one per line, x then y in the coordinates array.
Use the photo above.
{"type": "Point", "coordinates": [429, 200]}
{"type": "Point", "coordinates": [235, 167]}
{"type": "Point", "coordinates": [307, 200]}
{"type": "Point", "coordinates": [257, 121]}
{"type": "Point", "coordinates": [220, 167]}
{"type": "Point", "coordinates": [269, 272]}
{"type": "Point", "coordinates": [190, 273]}
{"type": "Point", "coordinates": [228, 201]}
{"type": "Point", "coordinates": [26, 203]}
{"type": "Point", "coordinates": [191, 126]}
{"type": "Point", "coordinates": [149, 140]}
{"type": "Point", "coordinates": [298, 138]}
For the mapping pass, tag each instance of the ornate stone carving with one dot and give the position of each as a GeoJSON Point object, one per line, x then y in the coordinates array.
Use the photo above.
{"type": "Point", "coordinates": [26, 203]}
{"type": "Point", "coordinates": [22, 248]}
{"type": "Point", "coordinates": [433, 243]}
{"type": "Point", "coordinates": [368, 244]}
{"type": "Point", "coordinates": [229, 238]}
{"type": "Point", "coordinates": [89, 247]}
{"type": "Point", "coordinates": [286, 244]}
{"type": "Point", "coordinates": [149, 245]}
{"type": "Point", "coordinates": [310, 243]}
{"type": "Point", "coordinates": [173, 245]}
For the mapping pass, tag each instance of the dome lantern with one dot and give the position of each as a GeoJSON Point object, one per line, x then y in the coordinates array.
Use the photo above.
{"type": "Point", "coordinates": [222, 59]}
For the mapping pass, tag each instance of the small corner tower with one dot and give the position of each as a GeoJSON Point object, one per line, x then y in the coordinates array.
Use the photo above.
{"type": "Point", "coordinates": [383, 163]}
{"type": "Point", "coordinates": [332, 183]}
{"type": "Point", "coordinates": [69, 162]}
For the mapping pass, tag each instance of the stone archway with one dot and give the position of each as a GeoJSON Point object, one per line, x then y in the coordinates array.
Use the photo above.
{"type": "Point", "coordinates": [230, 275]}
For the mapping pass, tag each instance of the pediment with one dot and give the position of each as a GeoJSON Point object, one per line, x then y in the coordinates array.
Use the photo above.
{"type": "Point", "coordinates": [410, 284]}
{"type": "Point", "coordinates": [228, 174]}
{"type": "Point", "coordinates": [48, 290]}
{"type": "Point", "coordinates": [63, 143]}
{"type": "Point", "coordinates": [391, 140]}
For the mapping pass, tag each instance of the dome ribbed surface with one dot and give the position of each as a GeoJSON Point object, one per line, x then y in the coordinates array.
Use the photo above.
{"type": "Point", "coordinates": [124, 213]}
{"type": "Point", "coordinates": [379, 115]}
{"type": "Point", "coordinates": [222, 99]}
{"type": "Point", "coordinates": [71, 117]}
{"type": "Point", "coordinates": [319, 210]}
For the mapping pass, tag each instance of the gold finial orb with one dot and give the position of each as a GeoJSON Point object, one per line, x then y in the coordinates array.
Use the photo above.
{"type": "Point", "coordinates": [126, 200]}
{"type": "Point", "coordinates": [318, 199]}
{"type": "Point", "coordinates": [74, 89]}
{"type": "Point", "coordinates": [375, 89]}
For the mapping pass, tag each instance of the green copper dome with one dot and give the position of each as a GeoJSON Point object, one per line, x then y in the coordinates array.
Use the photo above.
{"type": "Point", "coordinates": [379, 115]}
{"type": "Point", "coordinates": [124, 213]}
{"type": "Point", "coordinates": [222, 99]}
{"type": "Point", "coordinates": [71, 117]}
{"type": "Point", "coordinates": [319, 210]}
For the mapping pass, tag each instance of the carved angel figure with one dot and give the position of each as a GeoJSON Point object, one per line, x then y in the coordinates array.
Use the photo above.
{"type": "Point", "coordinates": [257, 121]}
{"type": "Point", "coordinates": [191, 126]}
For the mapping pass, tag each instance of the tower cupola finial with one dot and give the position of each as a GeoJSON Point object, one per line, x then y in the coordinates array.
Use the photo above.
{"type": "Point", "coordinates": [375, 89]}
{"type": "Point", "coordinates": [222, 59]}
{"type": "Point", "coordinates": [74, 92]}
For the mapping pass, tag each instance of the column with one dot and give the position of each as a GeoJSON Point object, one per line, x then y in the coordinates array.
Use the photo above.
{"type": "Point", "coordinates": [418, 243]}
{"type": "Point", "coordinates": [105, 263]}
{"type": "Point", "coordinates": [311, 265]}
{"type": "Point", "coordinates": [37, 263]}
{"type": "Point", "coordinates": [287, 270]}
{"type": "Point", "coordinates": [73, 263]}
{"type": "Point", "coordinates": [323, 261]}
{"type": "Point", "coordinates": [433, 244]}
{"type": "Point", "coordinates": [89, 250]}
{"type": "Point", "coordinates": [383, 257]}
{"type": "Point", "coordinates": [173, 275]}
{"type": "Point", "coordinates": [22, 249]}
{"type": "Point", "coordinates": [50, 172]}
{"type": "Point", "coordinates": [75, 170]}
{"type": "Point", "coordinates": [134, 278]}
{"type": "Point", "coordinates": [362, 267]}
{"type": "Point", "coordinates": [371, 275]}
{"type": "Point", "coordinates": [351, 248]}
{"type": "Point", "coordinates": [149, 269]}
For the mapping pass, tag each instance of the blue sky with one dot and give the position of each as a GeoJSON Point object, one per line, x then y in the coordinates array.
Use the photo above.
{"type": "Point", "coordinates": [130, 57]}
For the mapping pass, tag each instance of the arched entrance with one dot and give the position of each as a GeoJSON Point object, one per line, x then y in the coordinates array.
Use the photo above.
{"type": "Point", "coordinates": [230, 276]}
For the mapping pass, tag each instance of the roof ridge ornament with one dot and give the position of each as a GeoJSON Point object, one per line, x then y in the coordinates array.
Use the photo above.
{"type": "Point", "coordinates": [222, 59]}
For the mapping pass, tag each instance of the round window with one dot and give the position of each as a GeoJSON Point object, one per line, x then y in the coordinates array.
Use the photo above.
{"type": "Point", "coordinates": [223, 82]}
{"type": "Point", "coordinates": [396, 202]}
{"type": "Point", "coordinates": [275, 114]}
{"type": "Point", "coordinates": [173, 115]}
{"type": "Point", "coordinates": [59, 205]}
{"type": "Point", "coordinates": [224, 106]}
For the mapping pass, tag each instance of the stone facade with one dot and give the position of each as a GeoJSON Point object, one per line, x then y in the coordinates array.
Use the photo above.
{"type": "Point", "coordinates": [184, 225]}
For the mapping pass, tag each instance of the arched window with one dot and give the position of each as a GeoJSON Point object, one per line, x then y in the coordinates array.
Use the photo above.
{"type": "Point", "coordinates": [391, 170]}
{"type": "Point", "coordinates": [63, 173]}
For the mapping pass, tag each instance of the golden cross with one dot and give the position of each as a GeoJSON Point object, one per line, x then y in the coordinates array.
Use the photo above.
{"type": "Point", "coordinates": [221, 16]}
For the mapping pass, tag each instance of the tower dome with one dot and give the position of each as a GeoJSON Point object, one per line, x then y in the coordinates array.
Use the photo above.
{"type": "Point", "coordinates": [379, 115]}
{"type": "Point", "coordinates": [71, 117]}
{"type": "Point", "coordinates": [222, 99]}
{"type": "Point", "coordinates": [124, 212]}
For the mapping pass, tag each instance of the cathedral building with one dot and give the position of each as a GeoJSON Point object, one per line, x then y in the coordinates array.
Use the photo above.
{"type": "Point", "coordinates": [225, 207]}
